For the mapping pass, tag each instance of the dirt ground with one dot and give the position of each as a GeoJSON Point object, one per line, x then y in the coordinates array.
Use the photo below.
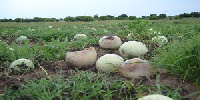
{"type": "Point", "coordinates": [54, 67]}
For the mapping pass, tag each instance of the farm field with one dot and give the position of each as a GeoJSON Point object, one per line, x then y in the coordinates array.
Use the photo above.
{"type": "Point", "coordinates": [176, 63]}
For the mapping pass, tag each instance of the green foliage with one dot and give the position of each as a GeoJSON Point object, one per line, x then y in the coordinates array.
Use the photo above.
{"type": "Point", "coordinates": [77, 45]}
{"type": "Point", "coordinates": [81, 85]}
{"type": "Point", "coordinates": [85, 86]}
{"type": "Point", "coordinates": [139, 30]}
{"type": "Point", "coordinates": [93, 41]}
{"type": "Point", "coordinates": [24, 51]}
{"type": "Point", "coordinates": [39, 90]}
{"type": "Point", "coordinates": [54, 50]}
{"type": "Point", "coordinates": [103, 18]}
{"type": "Point", "coordinates": [39, 19]}
{"type": "Point", "coordinates": [96, 16]}
{"type": "Point", "coordinates": [51, 51]}
{"type": "Point", "coordinates": [6, 20]}
{"type": "Point", "coordinates": [71, 19]}
{"type": "Point", "coordinates": [153, 17]}
{"type": "Point", "coordinates": [35, 19]}
{"type": "Point", "coordinates": [79, 18]}
{"type": "Point", "coordinates": [47, 36]}
{"type": "Point", "coordinates": [162, 16]}
{"type": "Point", "coordinates": [110, 17]}
{"type": "Point", "coordinates": [195, 14]}
{"type": "Point", "coordinates": [181, 58]}
{"type": "Point", "coordinates": [138, 26]}
{"type": "Point", "coordinates": [132, 17]}
{"type": "Point", "coordinates": [5, 53]}
{"type": "Point", "coordinates": [84, 18]}
{"type": "Point", "coordinates": [18, 20]}
{"type": "Point", "coordinates": [122, 17]}
{"type": "Point", "coordinates": [177, 17]}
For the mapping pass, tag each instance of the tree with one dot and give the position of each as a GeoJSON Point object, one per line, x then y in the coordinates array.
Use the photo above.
{"type": "Point", "coordinates": [187, 15]}
{"type": "Point", "coordinates": [71, 19]}
{"type": "Point", "coordinates": [181, 16]}
{"type": "Point", "coordinates": [27, 20]}
{"type": "Point", "coordinates": [84, 18]}
{"type": "Point", "coordinates": [10, 20]}
{"type": "Point", "coordinates": [18, 20]}
{"type": "Point", "coordinates": [103, 18]}
{"type": "Point", "coordinates": [57, 20]}
{"type": "Point", "coordinates": [153, 17]}
{"type": "Point", "coordinates": [96, 16]}
{"type": "Point", "coordinates": [132, 17]}
{"type": "Point", "coordinates": [144, 17]}
{"type": "Point", "coordinates": [195, 14]}
{"type": "Point", "coordinates": [162, 16]}
{"type": "Point", "coordinates": [37, 19]}
{"type": "Point", "coordinates": [122, 17]}
{"type": "Point", "coordinates": [177, 17]}
{"type": "Point", "coordinates": [61, 19]}
{"type": "Point", "coordinates": [110, 17]}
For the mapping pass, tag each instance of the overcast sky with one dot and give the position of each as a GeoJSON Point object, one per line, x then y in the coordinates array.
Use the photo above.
{"type": "Point", "coordinates": [63, 8]}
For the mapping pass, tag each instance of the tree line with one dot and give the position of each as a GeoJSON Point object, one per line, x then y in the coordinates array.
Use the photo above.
{"type": "Point", "coordinates": [35, 19]}
{"type": "Point", "coordinates": [101, 18]}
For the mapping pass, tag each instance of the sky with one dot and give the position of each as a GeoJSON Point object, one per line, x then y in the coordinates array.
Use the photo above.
{"type": "Point", "coordinates": [63, 8]}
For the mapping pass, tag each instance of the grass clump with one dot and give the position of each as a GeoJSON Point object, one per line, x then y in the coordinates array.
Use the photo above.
{"type": "Point", "coordinates": [79, 85]}
{"type": "Point", "coordinates": [181, 58]}
{"type": "Point", "coordinates": [82, 85]}
{"type": "Point", "coordinates": [42, 89]}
